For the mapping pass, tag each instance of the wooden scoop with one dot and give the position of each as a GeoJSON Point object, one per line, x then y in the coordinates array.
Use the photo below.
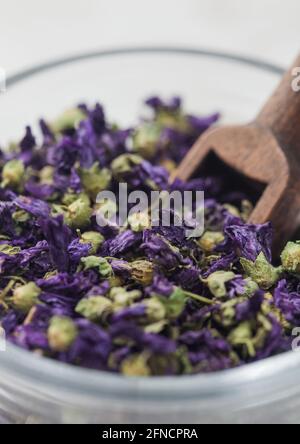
{"type": "Point", "coordinates": [266, 151]}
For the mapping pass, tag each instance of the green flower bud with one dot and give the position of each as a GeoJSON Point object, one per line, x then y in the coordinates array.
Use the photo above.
{"type": "Point", "coordinates": [169, 165]}
{"type": "Point", "coordinates": [155, 309]}
{"type": "Point", "coordinates": [247, 208]}
{"type": "Point", "coordinates": [182, 356]}
{"type": "Point", "coordinates": [227, 314]}
{"type": "Point", "coordinates": [156, 327]}
{"type": "Point", "coordinates": [70, 198]}
{"type": "Point", "coordinates": [210, 240]}
{"type": "Point", "coordinates": [290, 257]}
{"type": "Point", "coordinates": [216, 282]}
{"type": "Point", "coordinates": [232, 210]}
{"type": "Point", "coordinates": [139, 221]}
{"type": "Point", "coordinates": [261, 271]}
{"type": "Point", "coordinates": [26, 296]}
{"type": "Point", "coordinates": [135, 365]}
{"type": "Point", "coordinates": [13, 147]}
{"type": "Point", "coordinates": [175, 120]}
{"type": "Point", "coordinates": [174, 304]}
{"type": "Point", "coordinates": [243, 336]}
{"type": "Point", "coordinates": [46, 175]}
{"type": "Point", "coordinates": [62, 332]}
{"type": "Point", "coordinates": [91, 262]}
{"type": "Point", "coordinates": [103, 266]}
{"type": "Point", "coordinates": [9, 249]}
{"type": "Point", "coordinates": [50, 274]}
{"type": "Point", "coordinates": [21, 216]}
{"type": "Point", "coordinates": [146, 138]}
{"type": "Point", "coordinates": [115, 281]}
{"type": "Point", "coordinates": [264, 327]}
{"type": "Point", "coordinates": [68, 120]}
{"type": "Point", "coordinates": [95, 180]}
{"type": "Point", "coordinates": [122, 298]}
{"type": "Point", "coordinates": [268, 307]}
{"type": "Point", "coordinates": [12, 173]}
{"type": "Point", "coordinates": [124, 164]}
{"type": "Point", "coordinates": [251, 287]}
{"type": "Point", "coordinates": [94, 307]}
{"type": "Point", "coordinates": [4, 237]}
{"type": "Point", "coordinates": [78, 214]}
{"type": "Point", "coordinates": [57, 209]}
{"type": "Point", "coordinates": [142, 272]}
{"type": "Point", "coordinates": [93, 238]}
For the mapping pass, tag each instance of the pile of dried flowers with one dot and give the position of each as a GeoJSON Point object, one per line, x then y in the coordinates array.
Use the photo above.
{"type": "Point", "coordinates": [139, 300]}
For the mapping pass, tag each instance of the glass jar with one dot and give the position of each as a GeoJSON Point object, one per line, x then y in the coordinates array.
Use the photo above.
{"type": "Point", "coordinates": [38, 390]}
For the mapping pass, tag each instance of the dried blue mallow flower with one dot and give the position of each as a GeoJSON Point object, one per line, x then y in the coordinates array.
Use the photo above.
{"type": "Point", "coordinates": [146, 139]}
{"type": "Point", "coordinates": [78, 214]}
{"type": "Point", "coordinates": [20, 216]}
{"type": "Point", "coordinates": [94, 239]}
{"type": "Point", "coordinates": [261, 271]}
{"type": "Point", "coordinates": [217, 281]}
{"type": "Point", "coordinates": [139, 221]}
{"type": "Point", "coordinates": [46, 175]}
{"type": "Point", "coordinates": [115, 281]}
{"type": "Point", "coordinates": [95, 179]}
{"type": "Point", "coordinates": [243, 336]}
{"type": "Point", "coordinates": [9, 249]}
{"type": "Point", "coordinates": [68, 120]}
{"type": "Point", "coordinates": [62, 332]}
{"type": "Point", "coordinates": [136, 365]}
{"type": "Point", "coordinates": [210, 240]}
{"type": "Point", "coordinates": [290, 257]}
{"type": "Point", "coordinates": [176, 302]}
{"type": "Point", "coordinates": [155, 309]}
{"type": "Point", "coordinates": [100, 263]}
{"type": "Point", "coordinates": [251, 337]}
{"type": "Point", "coordinates": [25, 296]}
{"type": "Point", "coordinates": [250, 287]}
{"type": "Point", "coordinates": [94, 308]}
{"type": "Point", "coordinates": [122, 297]}
{"type": "Point", "coordinates": [142, 272]}
{"type": "Point", "coordinates": [13, 173]}
{"type": "Point", "coordinates": [70, 197]}
{"type": "Point", "coordinates": [124, 165]}
{"type": "Point", "coordinates": [246, 209]}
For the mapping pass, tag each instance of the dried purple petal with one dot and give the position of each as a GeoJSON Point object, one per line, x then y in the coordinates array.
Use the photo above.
{"type": "Point", "coordinates": [28, 142]}
{"type": "Point", "coordinates": [122, 243]}
{"type": "Point", "coordinates": [250, 240]}
{"type": "Point", "coordinates": [36, 207]}
{"type": "Point", "coordinates": [58, 236]}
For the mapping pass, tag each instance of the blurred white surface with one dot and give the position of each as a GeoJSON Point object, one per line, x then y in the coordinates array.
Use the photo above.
{"type": "Point", "coordinates": [32, 31]}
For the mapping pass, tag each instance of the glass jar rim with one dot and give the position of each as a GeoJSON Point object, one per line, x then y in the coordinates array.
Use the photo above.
{"type": "Point", "coordinates": [142, 50]}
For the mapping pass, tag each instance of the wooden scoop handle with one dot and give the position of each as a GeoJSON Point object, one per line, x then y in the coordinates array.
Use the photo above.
{"type": "Point", "coordinates": [281, 114]}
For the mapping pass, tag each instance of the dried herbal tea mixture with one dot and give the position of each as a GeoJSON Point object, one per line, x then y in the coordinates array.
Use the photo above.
{"type": "Point", "coordinates": [139, 300]}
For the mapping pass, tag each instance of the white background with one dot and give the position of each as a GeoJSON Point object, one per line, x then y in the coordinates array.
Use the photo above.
{"type": "Point", "coordinates": [35, 30]}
